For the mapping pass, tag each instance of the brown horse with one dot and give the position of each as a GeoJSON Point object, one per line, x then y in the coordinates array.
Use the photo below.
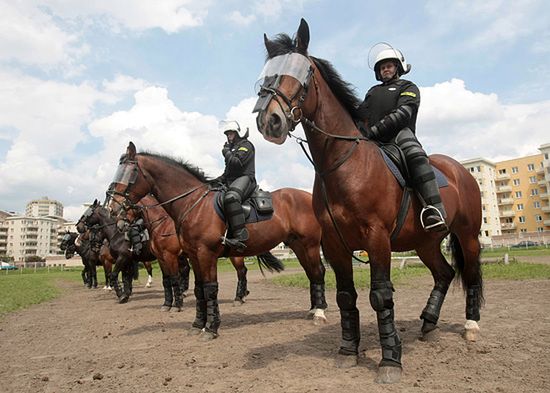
{"type": "Point", "coordinates": [164, 242]}
{"type": "Point", "coordinates": [188, 198]}
{"type": "Point", "coordinates": [358, 212]}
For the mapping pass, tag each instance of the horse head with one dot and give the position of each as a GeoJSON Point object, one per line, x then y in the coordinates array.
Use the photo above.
{"type": "Point", "coordinates": [284, 85]}
{"type": "Point", "coordinates": [128, 186]}
{"type": "Point", "coordinates": [67, 240]}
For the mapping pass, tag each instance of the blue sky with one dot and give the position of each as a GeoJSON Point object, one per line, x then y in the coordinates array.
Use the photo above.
{"type": "Point", "coordinates": [79, 79]}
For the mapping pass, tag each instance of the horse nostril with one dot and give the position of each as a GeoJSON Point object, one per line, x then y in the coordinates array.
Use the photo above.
{"type": "Point", "coordinates": [275, 122]}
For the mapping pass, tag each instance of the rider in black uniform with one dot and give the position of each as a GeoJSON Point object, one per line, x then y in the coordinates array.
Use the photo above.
{"type": "Point", "coordinates": [390, 110]}
{"type": "Point", "coordinates": [240, 178]}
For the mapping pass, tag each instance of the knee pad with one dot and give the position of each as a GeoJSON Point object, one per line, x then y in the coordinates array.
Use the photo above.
{"type": "Point", "coordinates": [232, 196]}
{"type": "Point", "coordinates": [346, 299]}
{"type": "Point", "coordinates": [381, 295]}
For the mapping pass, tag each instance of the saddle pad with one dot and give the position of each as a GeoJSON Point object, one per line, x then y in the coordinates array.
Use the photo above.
{"type": "Point", "coordinates": [254, 216]}
{"type": "Point", "coordinates": [439, 176]}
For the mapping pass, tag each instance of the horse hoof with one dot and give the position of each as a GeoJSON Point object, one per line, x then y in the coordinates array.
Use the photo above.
{"type": "Point", "coordinates": [430, 335]}
{"type": "Point", "coordinates": [208, 336]}
{"type": "Point", "coordinates": [471, 331]}
{"type": "Point", "coordinates": [123, 299]}
{"type": "Point", "coordinates": [165, 308]}
{"type": "Point", "coordinates": [319, 321]}
{"type": "Point", "coordinates": [176, 309]}
{"type": "Point", "coordinates": [147, 285]}
{"type": "Point", "coordinates": [388, 374]}
{"type": "Point", "coordinates": [194, 331]}
{"type": "Point", "coordinates": [184, 294]}
{"type": "Point", "coordinates": [346, 361]}
{"type": "Point", "coordinates": [238, 302]}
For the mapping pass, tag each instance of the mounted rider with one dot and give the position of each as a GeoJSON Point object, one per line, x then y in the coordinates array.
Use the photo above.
{"type": "Point", "coordinates": [240, 178]}
{"type": "Point", "coordinates": [390, 111]}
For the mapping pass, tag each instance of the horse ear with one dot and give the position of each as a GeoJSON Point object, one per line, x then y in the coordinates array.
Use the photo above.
{"type": "Point", "coordinates": [302, 36]}
{"type": "Point", "coordinates": [269, 46]}
{"type": "Point", "coordinates": [131, 151]}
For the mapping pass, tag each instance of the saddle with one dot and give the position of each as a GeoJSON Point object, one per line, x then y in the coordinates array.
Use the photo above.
{"type": "Point", "coordinates": [258, 207]}
{"type": "Point", "coordinates": [397, 164]}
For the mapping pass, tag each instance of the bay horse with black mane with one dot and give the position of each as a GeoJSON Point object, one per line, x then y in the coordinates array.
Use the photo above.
{"type": "Point", "coordinates": [164, 242]}
{"type": "Point", "coordinates": [188, 197]}
{"type": "Point", "coordinates": [357, 199]}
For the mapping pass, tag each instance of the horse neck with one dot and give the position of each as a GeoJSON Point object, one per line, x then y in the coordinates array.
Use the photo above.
{"type": "Point", "coordinates": [167, 182]}
{"type": "Point", "coordinates": [331, 117]}
{"type": "Point", "coordinates": [152, 213]}
{"type": "Point", "coordinates": [108, 226]}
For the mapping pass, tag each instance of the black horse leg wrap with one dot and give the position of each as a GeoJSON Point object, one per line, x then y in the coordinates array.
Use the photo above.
{"type": "Point", "coordinates": [349, 321]}
{"type": "Point", "coordinates": [381, 299]}
{"type": "Point", "coordinates": [473, 302]}
{"type": "Point", "coordinates": [242, 287]}
{"type": "Point", "coordinates": [212, 309]}
{"type": "Point", "coordinates": [317, 293]}
{"type": "Point", "coordinates": [433, 307]}
{"type": "Point", "coordinates": [200, 318]}
{"type": "Point", "coordinates": [168, 299]}
{"type": "Point", "coordinates": [176, 290]}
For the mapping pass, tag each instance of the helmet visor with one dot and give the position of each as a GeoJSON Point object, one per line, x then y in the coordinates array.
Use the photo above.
{"type": "Point", "coordinates": [290, 64]}
{"type": "Point", "coordinates": [125, 174]}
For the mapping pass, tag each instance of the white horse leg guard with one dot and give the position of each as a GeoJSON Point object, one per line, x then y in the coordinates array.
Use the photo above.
{"type": "Point", "coordinates": [471, 330]}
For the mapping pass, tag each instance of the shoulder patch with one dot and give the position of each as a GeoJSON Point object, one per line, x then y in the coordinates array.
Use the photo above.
{"type": "Point", "coordinates": [408, 93]}
{"type": "Point", "coordinates": [242, 148]}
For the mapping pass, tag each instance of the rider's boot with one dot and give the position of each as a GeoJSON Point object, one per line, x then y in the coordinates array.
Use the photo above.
{"type": "Point", "coordinates": [433, 214]}
{"type": "Point", "coordinates": [236, 220]}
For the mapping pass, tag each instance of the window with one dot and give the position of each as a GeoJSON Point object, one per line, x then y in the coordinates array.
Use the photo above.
{"type": "Point", "coordinates": [478, 168]}
{"type": "Point", "coordinates": [546, 156]}
{"type": "Point", "coordinates": [530, 167]}
{"type": "Point", "coordinates": [518, 194]}
{"type": "Point", "coordinates": [520, 206]}
{"type": "Point", "coordinates": [487, 233]}
{"type": "Point", "coordinates": [523, 230]}
{"type": "Point", "coordinates": [516, 182]}
{"type": "Point", "coordinates": [471, 169]}
{"type": "Point", "coordinates": [502, 171]}
{"type": "Point", "coordinates": [522, 219]}
{"type": "Point", "coordinates": [515, 169]}
{"type": "Point", "coordinates": [538, 218]}
{"type": "Point", "coordinates": [534, 192]}
{"type": "Point", "coordinates": [539, 229]}
{"type": "Point", "coordinates": [485, 220]}
{"type": "Point", "coordinates": [536, 205]}
{"type": "Point", "coordinates": [532, 179]}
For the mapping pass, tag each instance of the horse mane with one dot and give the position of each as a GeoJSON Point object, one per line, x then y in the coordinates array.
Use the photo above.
{"type": "Point", "coordinates": [344, 91]}
{"type": "Point", "coordinates": [194, 170]}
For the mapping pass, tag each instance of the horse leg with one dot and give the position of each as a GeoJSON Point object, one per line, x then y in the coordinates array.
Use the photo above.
{"type": "Point", "coordinates": [168, 299]}
{"type": "Point", "coordinates": [200, 307]}
{"type": "Point", "coordinates": [149, 269]}
{"type": "Point", "coordinates": [127, 277]}
{"type": "Point", "coordinates": [176, 289]}
{"type": "Point", "coordinates": [184, 270]}
{"type": "Point", "coordinates": [113, 280]}
{"type": "Point", "coordinates": [242, 287]}
{"type": "Point", "coordinates": [466, 250]}
{"type": "Point", "coordinates": [381, 300]}
{"type": "Point", "coordinates": [443, 275]}
{"type": "Point", "coordinates": [94, 276]}
{"type": "Point", "coordinates": [212, 311]}
{"type": "Point", "coordinates": [310, 259]}
{"type": "Point", "coordinates": [346, 298]}
{"type": "Point", "coordinates": [83, 275]}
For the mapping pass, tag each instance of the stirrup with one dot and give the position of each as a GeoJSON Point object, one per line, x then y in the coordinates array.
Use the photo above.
{"type": "Point", "coordinates": [238, 245]}
{"type": "Point", "coordinates": [440, 225]}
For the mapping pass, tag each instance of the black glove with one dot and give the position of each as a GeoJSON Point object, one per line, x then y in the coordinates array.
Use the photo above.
{"type": "Point", "coordinates": [226, 149]}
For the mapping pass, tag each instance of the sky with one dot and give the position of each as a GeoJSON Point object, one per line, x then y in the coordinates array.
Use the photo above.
{"type": "Point", "coordinates": [80, 79]}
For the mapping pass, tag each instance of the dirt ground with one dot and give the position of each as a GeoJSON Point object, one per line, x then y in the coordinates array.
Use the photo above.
{"type": "Point", "coordinates": [85, 342]}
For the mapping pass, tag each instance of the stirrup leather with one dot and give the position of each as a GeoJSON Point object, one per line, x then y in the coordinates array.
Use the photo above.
{"type": "Point", "coordinates": [437, 213]}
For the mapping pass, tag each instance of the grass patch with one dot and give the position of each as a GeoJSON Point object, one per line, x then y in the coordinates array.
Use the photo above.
{"type": "Point", "coordinates": [492, 271]}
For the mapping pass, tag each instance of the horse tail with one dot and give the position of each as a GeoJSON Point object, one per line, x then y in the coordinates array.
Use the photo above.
{"type": "Point", "coordinates": [467, 274]}
{"type": "Point", "coordinates": [270, 262]}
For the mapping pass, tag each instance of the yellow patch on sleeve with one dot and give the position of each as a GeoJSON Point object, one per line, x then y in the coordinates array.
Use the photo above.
{"type": "Point", "coordinates": [408, 93]}
{"type": "Point", "coordinates": [242, 148]}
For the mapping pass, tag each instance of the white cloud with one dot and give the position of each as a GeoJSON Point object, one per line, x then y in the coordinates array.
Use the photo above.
{"type": "Point", "coordinates": [170, 15]}
{"type": "Point", "coordinates": [240, 19]}
{"type": "Point", "coordinates": [465, 124]}
{"type": "Point", "coordinates": [30, 36]}
{"type": "Point", "coordinates": [124, 84]}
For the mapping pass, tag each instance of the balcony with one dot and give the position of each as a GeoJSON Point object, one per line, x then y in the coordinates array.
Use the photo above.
{"type": "Point", "coordinates": [503, 176]}
{"type": "Point", "coordinates": [506, 201]}
{"type": "Point", "coordinates": [507, 213]}
{"type": "Point", "coordinates": [504, 189]}
{"type": "Point", "coordinates": [545, 209]}
{"type": "Point", "coordinates": [543, 195]}
{"type": "Point", "coordinates": [547, 223]}
{"type": "Point", "coordinates": [542, 182]}
{"type": "Point", "coordinates": [540, 170]}
{"type": "Point", "coordinates": [508, 226]}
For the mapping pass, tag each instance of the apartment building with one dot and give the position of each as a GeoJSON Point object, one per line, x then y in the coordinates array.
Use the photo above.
{"type": "Point", "coordinates": [484, 171]}
{"type": "Point", "coordinates": [514, 193]}
{"type": "Point", "coordinates": [4, 232]}
{"type": "Point", "coordinates": [31, 236]}
{"type": "Point", "coordinates": [44, 207]}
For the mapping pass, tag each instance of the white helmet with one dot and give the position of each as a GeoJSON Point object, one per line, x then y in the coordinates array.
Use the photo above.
{"type": "Point", "coordinates": [231, 125]}
{"type": "Point", "coordinates": [389, 53]}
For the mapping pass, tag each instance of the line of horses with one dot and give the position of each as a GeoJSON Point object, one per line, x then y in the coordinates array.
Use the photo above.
{"type": "Point", "coordinates": [354, 206]}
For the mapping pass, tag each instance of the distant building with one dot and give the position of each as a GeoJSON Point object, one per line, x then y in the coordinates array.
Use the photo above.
{"type": "Point", "coordinates": [4, 232]}
{"type": "Point", "coordinates": [31, 236]}
{"type": "Point", "coordinates": [520, 187]}
{"type": "Point", "coordinates": [44, 207]}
